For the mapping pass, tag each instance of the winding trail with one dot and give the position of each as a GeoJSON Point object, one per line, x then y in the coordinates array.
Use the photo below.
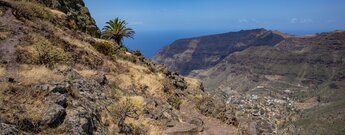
{"type": "Point", "coordinates": [8, 23]}
{"type": "Point", "coordinates": [212, 126]}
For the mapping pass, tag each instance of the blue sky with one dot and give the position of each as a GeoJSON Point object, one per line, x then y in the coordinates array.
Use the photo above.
{"type": "Point", "coordinates": [216, 16]}
{"type": "Point", "coordinates": [222, 14]}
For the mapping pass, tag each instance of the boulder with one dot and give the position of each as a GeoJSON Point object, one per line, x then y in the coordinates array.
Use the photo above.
{"type": "Point", "coordinates": [101, 79]}
{"type": "Point", "coordinates": [57, 98]}
{"type": "Point", "coordinates": [197, 122]}
{"type": "Point", "coordinates": [54, 116]}
{"type": "Point", "coordinates": [183, 129]}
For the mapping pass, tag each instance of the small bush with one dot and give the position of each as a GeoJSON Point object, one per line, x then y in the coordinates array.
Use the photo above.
{"type": "Point", "coordinates": [138, 129]}
{"type": "Point", "coordinates": [49, 55]}
{"type": "Point", "coordinates": [105, 48]}
{"type": "Point", "coordinates": [30, 10]}
{"type": "Point", "coordinates": [175, 101]}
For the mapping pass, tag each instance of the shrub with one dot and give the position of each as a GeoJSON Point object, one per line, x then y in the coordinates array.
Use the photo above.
{"type": "Point", "coordinates": [106, 48]}
{"type": "Point", "coordinates": [138, 129]}
{"type": "Point", "coordinates": [49, 55]}
{"type": "Point", "coordinates": [30, 10]}
{"type": "Point", "coordinates": [175, 101]}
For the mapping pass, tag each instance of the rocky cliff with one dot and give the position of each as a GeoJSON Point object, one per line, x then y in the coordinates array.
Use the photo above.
{"type": "Point", "coordinates": [186, 55]}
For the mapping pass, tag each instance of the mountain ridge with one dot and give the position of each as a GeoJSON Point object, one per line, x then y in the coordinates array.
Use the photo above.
{"type": "Point", "coordinates": [305, 72]}
{"type": "Point", "coordinates": [218, 46]}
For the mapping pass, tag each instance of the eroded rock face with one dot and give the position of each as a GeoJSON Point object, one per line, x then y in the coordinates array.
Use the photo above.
{"type": "Point", "coordinates": [69, 105]}
{"type": "Point", "coordinates": [76, 11]}
{"type": "Point", "coordinates": [7, 129]}
{"type": "Point", "coordinates": [54, 115]}
{"type": "Point", "coordinates": [186, 55]}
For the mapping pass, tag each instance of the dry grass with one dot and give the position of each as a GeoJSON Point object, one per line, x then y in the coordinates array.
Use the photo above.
{"type": "Point", "coordinates": [139, 76]}
{"type": "Point", "coordinates": [152, 126]}
{"type": "Point", "coordinates": [4, 35]}
{"type": "Point", "coordinates": [193, 84]}
{"type": "Point", "coordinates": [73, 41]}
{"type": "Point", "coordinates": [137, 101]}
{"type": "Point", "coordinates": [87, 73]}
{"type": "Point", "coordinates": [2, 72]}
{"type": "Point", "coordinates": [35, 109]}
{"type": "Point", "coordinates": [57, 13]}
{"type": "Point", "coordinates": [109, 120]}
{"type": "Point", "coordinates": [36, 74]}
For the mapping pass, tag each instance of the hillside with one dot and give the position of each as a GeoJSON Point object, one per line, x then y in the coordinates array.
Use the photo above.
{"type": "Point", "coordinates": [58, 77]}
{"type": "Point", "coordinates": [186, 55]}
{"type": "Point", "coordinates": [304, 74]}
{"type": "Point", "coordinates": [310, 73]}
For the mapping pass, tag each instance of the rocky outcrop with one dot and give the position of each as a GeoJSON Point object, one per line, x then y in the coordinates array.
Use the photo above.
{"type": "Point", "coordinates": [69, 106]}
{"type": "Point", "coordinates": [77, 13]}
{"type": "Point", "coordinates": [186, 55]}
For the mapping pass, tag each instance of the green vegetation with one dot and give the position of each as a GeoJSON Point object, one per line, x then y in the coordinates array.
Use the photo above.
{"type": "Point", "coordinates": [106, 48]}
{"type": "Point", "coordinates": [327, 119]}
{"type": "Point", "coordinates": [49, 55]}
{"type": "Point", "coordinates": [116, 30]}
{"type": "Point", "coordinates": [30, 10]}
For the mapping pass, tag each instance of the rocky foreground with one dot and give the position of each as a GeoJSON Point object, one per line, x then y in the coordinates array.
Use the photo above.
{"type": "Point", "coordinates": [58, 77]}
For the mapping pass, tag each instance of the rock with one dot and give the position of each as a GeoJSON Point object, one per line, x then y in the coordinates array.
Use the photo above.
{"type": "Point", "coordinates": [101, 79]}
{"type": "Point", "coordinates": [11, 80]}
{"type": "Point", "coordinates": [54, 116]}
{"type": "Point", "coordinates": [77, 13]}
{"type": "Point", "coordinates": [82, 120]}
{"type": "Point", "coordinates": [59, 89]}
{"type": "Point", "coordinates": [57, 98]}
{"type": "Point", "coordinates": [197, 122]}
{"type": "Point", "coordinates": [72, 74]}
{"type": "Point", "coordinates": [183, 129]}
{"type": "Point", "coordinates": [170, 124]}
{"type": "Point", "coordinates": [6, 129]}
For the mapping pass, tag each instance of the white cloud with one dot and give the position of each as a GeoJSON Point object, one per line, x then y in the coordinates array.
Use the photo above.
{"type": "Point", "coordinates": [243, 21]}
{"type": "Point", "coordinates": [248, 21]}
{"type": "Point", "coordinates": [301, 20]}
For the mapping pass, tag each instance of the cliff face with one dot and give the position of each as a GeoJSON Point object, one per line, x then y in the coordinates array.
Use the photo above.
{"type": "Point", "coordinates": [186, 55]}
{"type": "Point", "coordinates": [76, 12]}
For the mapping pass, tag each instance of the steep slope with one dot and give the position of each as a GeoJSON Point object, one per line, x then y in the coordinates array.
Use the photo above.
{"type": "Point", "coordinates": [57, 77]}
{"type": "Point", "coordinates": [308, 61]}
{"type": "Point", "coordinates": [297, 83]}
{"type": "Point", "coordinates": [309, 70]}
{"type": "Point", "coordinates": [186, 55]}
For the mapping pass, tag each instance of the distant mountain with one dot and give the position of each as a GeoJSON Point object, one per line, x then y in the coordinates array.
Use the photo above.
{"type": "Point", "coordinates": [186, 55]}
{"type": "Point", "coordinates": [307, 72]}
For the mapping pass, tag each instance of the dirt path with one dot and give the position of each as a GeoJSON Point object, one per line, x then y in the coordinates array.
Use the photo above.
{"type": "Point", "coordinates": [212, 126]}
{"type": "Point", "coordinates": [8, 23]}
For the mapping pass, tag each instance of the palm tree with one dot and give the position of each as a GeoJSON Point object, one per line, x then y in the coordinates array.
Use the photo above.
{"type": "Point", "coordinates": [116, 30]}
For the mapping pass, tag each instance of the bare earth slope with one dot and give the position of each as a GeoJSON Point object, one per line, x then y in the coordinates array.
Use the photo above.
{"type": "Point", "coordinates": [58, 77]}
